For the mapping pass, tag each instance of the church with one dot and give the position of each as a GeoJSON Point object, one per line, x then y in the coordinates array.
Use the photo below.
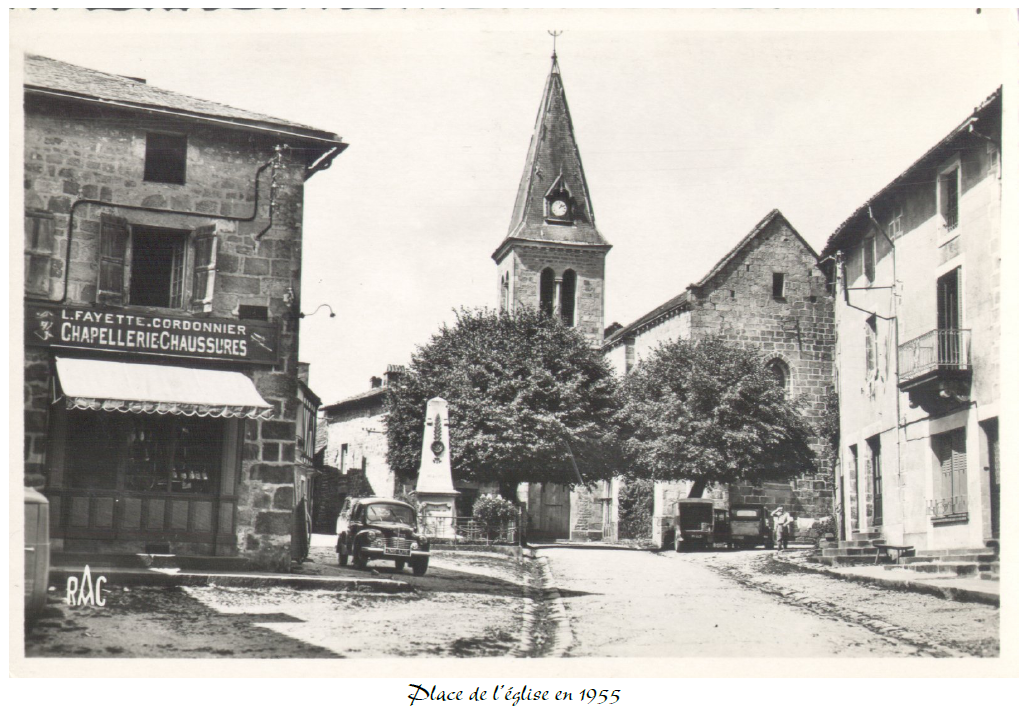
{"type": "Point", "coordinates": [768, 291]}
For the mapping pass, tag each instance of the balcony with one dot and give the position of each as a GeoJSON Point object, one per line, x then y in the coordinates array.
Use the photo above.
{"type": "Point", "coordinates": [935, 370]}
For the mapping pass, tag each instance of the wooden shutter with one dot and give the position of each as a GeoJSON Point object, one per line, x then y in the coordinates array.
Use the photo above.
{"type": "Point", "coordinates": [942, 477]}
{"type": "Point", "coordinates": [110, 287]}
{"type": "Point", "coordinates": [959, 486]}
{"type": "Point", "coordinates": [39, 230]}
{"type": "Point", "coordinates": [204, 245]}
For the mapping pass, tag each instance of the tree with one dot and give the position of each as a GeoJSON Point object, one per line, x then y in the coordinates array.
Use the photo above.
{"type": "Point", "coordinates": [524, 391]}
{"type": "Point", "coordinates": [705, 411]}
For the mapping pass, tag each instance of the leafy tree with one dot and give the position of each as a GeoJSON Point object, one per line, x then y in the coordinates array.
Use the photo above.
{"type": "Point", "coordinates": [706, 411]}
{"type": "Point", "coordinates": [524, 391]}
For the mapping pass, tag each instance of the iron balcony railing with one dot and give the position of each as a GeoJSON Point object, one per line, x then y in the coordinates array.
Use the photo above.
{"type": "Point", "coordinates": [947, 507]}
{"type": "Point", "coordinates": [937, 350]}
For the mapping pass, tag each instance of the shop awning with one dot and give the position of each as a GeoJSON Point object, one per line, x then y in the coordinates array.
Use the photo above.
{"type": "Point", "coordinates": [165, 390]}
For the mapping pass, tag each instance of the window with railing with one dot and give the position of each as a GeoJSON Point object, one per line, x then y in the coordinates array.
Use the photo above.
{"type": "Point", "coordinates": [937, 350]}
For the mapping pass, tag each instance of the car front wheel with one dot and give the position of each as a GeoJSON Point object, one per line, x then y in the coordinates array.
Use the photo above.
{"type": "Point", "coordinates": [420, 565]}
{"type": "Point", "coordinates": [359, 559]}
{"type": "Point", "coordinates": [343, 559]}
{"type": "Point", "coordinates": [400, 565]}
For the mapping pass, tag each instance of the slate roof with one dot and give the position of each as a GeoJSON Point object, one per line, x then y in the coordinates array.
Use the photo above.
{"type": "Point", "coordinates": [678, 302]}
{"type": "Point", "coordinates": [77, 81]}
{"type": "Point", "coordinates": [553, 153]}
{"type": "Point", "coordinates": [837, 238]}
{"type": "Point", "coordinates": [366, 396]}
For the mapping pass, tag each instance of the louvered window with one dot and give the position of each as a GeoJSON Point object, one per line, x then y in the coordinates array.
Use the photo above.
{"type": "Point", "coordinates": [950, 500]}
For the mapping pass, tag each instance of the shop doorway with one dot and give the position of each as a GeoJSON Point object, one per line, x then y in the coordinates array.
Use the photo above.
{"type": "Point", "coordinates": [128, 482]}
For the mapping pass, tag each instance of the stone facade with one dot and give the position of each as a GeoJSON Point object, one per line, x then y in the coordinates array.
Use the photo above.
{"type": "Point", "coordinates": [903, 391]}
{"type": "Point", "coordinates": [357, 441]}
{"type": "Point", "coordinates": [84, 160]}
{"type": "Point", "coordinates": [792, 326]}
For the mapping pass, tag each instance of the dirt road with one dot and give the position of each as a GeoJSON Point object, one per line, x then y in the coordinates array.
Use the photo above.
{"type": "Point", "coordinates": [725, 604]}
{"type": "Point", "coordinates": [466, 606]}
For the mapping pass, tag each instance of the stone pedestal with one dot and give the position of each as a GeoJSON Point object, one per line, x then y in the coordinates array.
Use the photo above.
{"type": "Point", "coordinates": [435, 493]}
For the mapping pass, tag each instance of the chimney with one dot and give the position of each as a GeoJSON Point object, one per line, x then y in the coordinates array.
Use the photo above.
{"type": "Point", "coordinates": [304, 372]}
{"type": "Point", "coordinates": [392, 374]}
{"type": "Point", "coordinates": [375, 382]}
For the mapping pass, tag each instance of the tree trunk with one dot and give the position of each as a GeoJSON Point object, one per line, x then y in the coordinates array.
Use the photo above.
{"type": "Point", "coordinates": [697, 489]}
{"type": "Point", "coordinates": [508, 490]}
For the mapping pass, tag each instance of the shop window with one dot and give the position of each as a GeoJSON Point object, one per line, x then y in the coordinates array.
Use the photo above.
{"type": "Point", "coordinates": [143, 453]}
{"type": "Point", "coordinates": [778, 285]}
{"type": "Point", "coordinates": [947, 194]}
{"type": "Point", "coordinates": [548, 291]}
{"type": "Point", "coordinates": [146, 266]}
{"type": "Point", "coordinates": [568, 297]}
{"type": "Point", "coordinates": [165, 158]}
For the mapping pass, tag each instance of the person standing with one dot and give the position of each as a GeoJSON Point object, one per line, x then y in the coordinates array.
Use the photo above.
{"type": "Point", "coordinates": [782, 522]}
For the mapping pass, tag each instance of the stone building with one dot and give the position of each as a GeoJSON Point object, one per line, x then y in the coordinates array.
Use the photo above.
{"type": "Point", "coordinates": [356, 439]}
{"type": "Point", "coordinates": [163, 246]}
{"type": "Point", "coordinates": [553, 258]}
{"type": "Point", "coordinates": [919, 340]}
{"type": "Point", "coordinates": [768, 292]}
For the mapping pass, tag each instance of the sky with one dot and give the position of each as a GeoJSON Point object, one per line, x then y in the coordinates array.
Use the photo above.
{"type": "Point", "coordinates": [691, 125]}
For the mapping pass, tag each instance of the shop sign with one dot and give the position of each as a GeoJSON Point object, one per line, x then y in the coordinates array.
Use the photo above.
{"type": "Point", "coordinates": [161, 334]}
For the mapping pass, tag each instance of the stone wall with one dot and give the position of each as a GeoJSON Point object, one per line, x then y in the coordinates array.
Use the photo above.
{"type": "Point", "coordinates": [796, 330]}
{"type": "Point", "coordinates": [526, 261]}
{"type": "Point", "coordinates": [362, 429]}
{"type": "Point", "coordinates": [73, 152]}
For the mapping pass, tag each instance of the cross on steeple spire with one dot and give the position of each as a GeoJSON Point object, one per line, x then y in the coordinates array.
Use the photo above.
{"type": "Point", "coordinates": [554, 34]}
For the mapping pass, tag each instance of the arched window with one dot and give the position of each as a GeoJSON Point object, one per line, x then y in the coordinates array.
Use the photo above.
{"type": "Point", "coordinates": [548, 287]}
{"type": "Point", "coordinates": [778, 369]}
{"type": "Point", "coordinates": [568, 297]}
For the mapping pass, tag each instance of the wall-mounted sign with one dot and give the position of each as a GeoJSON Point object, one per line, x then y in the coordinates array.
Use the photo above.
{"type": "Point", "coordinates": [161, 334]}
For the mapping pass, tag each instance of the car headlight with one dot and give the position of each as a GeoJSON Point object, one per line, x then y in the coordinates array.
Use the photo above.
{"type": "Point", "coordinates": [414, 545]}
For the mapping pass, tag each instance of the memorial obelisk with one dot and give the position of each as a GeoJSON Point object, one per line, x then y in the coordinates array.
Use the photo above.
{"type": "Point", "coordinates": [435, 494]}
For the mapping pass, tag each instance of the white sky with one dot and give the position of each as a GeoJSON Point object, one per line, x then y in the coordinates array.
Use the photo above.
{"type": "Point", "coordinates": [692, 126]}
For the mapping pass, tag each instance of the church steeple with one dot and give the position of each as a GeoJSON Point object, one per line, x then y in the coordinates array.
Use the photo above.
{"type": "Point", "coordinates": [553, 256]}
{"type": "Point", "coordinates": [553, 203]}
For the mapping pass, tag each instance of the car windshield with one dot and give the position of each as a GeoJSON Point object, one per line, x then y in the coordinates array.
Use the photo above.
{"type": "Point", "coordinates": [389, 513]}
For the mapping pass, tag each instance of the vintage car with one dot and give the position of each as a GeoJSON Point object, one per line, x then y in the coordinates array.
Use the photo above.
{"type": "Point", "coordinates": [381, 529]}
{"type": "Point", "coordinates": [750, 526]}
{"type": "Point", "coordinates": [696, 525]}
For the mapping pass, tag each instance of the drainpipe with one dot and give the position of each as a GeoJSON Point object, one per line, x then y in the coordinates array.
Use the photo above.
{"type": "Point", "coordinates": [273, 162]}
{"type": "Point", "coordinates": [897, 342]}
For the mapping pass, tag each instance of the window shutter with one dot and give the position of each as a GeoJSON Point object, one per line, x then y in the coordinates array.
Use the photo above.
{"type": "Point", "coordinates": [39, 229]}
{"type": "Point", "coordinates": [110, 288]}
{"type": "Point", "coordinates": [204, 246]}
{"type": "Point", "coordinates": [942, 478]}
{"type": "Point", "coordinates": [959, 487]}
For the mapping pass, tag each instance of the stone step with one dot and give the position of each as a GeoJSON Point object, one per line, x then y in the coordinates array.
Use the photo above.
{"type": "Point", "coordinates": [850, 560]}
{"type": "Point", "coordinates": [960, 569]}
{"type": "Point", "coordinates": [850, 552]}
{"type": "Point", "coordinates": [947, 558]}
{"type": "Point", "coordinates": [914, 560]}
{"type": "Point", "coordinates": [854, 543]}
{"type": "Point", "coordinates": [992, 576]}
{"type": "Point", "coordinates": [953, 551]}
{"type": "Point", "coordinates": [867, 536]}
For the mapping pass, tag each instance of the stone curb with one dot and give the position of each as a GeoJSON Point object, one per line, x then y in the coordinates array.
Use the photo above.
{"type": "Point", "coordinates": [591, 546]}
{"type": "Point", "coordinates": [147, 578]}
{"type": "Point", "coordinates": [905, 585]}
{"type": "Point", "coordinates": [563, 636]}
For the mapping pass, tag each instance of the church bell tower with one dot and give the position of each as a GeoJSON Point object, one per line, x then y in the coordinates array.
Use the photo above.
{"type": "Point", "coordinates": [553, 256]}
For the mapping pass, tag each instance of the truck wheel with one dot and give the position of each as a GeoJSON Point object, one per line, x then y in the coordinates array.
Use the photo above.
{"type": "Point", "coordinates": [678, 546]}
{"type": "Point", "coordinates": [400, 565]}
{"type": "Point", "coordinates": [420, 565]}
{"type": "Point", "coordinates": [343, 559]}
